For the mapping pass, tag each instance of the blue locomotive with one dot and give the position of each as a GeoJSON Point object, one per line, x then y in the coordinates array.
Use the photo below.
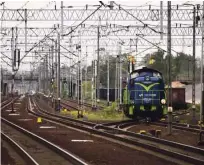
{"type": "Point", "coordinates": [144, 95]}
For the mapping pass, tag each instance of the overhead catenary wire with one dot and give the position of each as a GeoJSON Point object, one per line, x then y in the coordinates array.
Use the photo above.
{"type": "Point", "coordinates": [83, 21]}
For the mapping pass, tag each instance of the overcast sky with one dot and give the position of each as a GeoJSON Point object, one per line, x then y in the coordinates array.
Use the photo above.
{"type": "Point", "coordinates": [81, 5]}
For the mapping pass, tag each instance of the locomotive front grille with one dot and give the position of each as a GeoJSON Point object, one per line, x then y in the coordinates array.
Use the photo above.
{"type": "Point", "coordinates": [147, 107]}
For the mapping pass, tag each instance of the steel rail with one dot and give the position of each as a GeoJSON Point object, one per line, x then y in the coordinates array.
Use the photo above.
{"type": "Point", "coordinates": [131, 138]}
{"type": "Point", "coordinates": [124, 124]}
{"type": "Point", "coordinates": [8, 103]}
{"type": "Point", "coordinates": [67, 155]}
{"type": "Point", "coordinates": [25, 155]}
{"type": "Point", "coordinates": [177, 127]}
{"type": "Point", "coordinates": [5, 102]}
{"type": "Point", "coordinates": [86, 104]}
{"type": "Point", "coordinates": [63, 117]}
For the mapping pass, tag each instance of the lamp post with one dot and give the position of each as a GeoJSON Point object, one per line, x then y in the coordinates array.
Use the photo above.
{"type": "Point", "coordinates": [12, 105]}
{"type": "Point", "coordinates": [58, 103]}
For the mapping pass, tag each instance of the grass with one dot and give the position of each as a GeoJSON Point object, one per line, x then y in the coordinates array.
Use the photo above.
{"type": "Point", "coordinates": [108, 113]}
{"type": "Point", "coordinates": [101, 103]}
{"type": "Point", "coordinates": [197, 107]}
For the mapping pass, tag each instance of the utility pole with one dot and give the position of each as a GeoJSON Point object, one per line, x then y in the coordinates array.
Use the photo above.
{"type": "Point", "coordinates": [108, 79]}
{"type": "Point", "coordinates": [12, 56]}
{"type": "Point", "coordinates": [49, 71]}
{"type": "Point", "coordinates": [26, 26]}
{"type": "Point", "coordinates": [70, 69]}
{"type": "Point", "coordinates": [62, 20]}
{"type": "Point", "coordinates": [120, 72]}
{"type": "Point", "coordinates": [95, 82]}
{"type": "Point", "coordinates": [52, 72]}
{"type": "Point", "coordinates": [193, 64]}
{"type": "Point", "coordinates": [116, 78]}
{"type": "Point", "coordinates": [161, 20]}
{"type": "Point", "coordinates": [170, 109]}
{"type": "Point", "coordinates": [85, 93]}
{"type": "Point", "coordinates": [98, 65]}
{"type": "Point", "coordinates": [46, 73]}
{"type": "Point", "coordinates": [80, 73]}
{"type": "Point", "coordinates": [16, 40]}
{"type": "Point", "coordinates": [58, 72]}
{"type": "Point", "coordinates": [92, 84]}
{"type": "Point", "coordinates": [56, 50]}
{"type": "Point", "coordinates": [202, 76]}
{"type": "Point", "coordinates": [12, 48]}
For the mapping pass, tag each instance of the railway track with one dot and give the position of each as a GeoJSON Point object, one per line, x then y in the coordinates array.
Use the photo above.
{"type": "Point", "coordinates": [5, 102]}
{"type": "Point", "coordinates": [179, 151]}
{"type": "Point", "coordinates": [128, 123]}
{"type": "Point", "coordinates": [55, 152]}
{"type": "Point", "coordinates": [85, 104]}
{"type": "Point", "coordinates": [186, 127]}
{"type": "Point", "coordinates": [24, 154]}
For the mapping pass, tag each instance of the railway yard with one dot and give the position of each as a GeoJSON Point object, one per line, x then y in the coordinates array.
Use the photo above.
{"type": "Point", "coordinates": [102, 82]}
{"type": "Point", "coordinates": [65, 140]}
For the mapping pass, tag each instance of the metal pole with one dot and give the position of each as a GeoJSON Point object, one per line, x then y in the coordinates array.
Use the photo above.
{"type": "Point", "coordinates": [85, 94]}
{"type": "Point", "coordinates": [108, 79]}
{"type": "Point", "coordinates": [92, 84]}
{"type": "Point", "coordinates": [98, 66]}
{"type": "Point", "coordinates": [12, 56]}
{"type": "Point", "coordinates": [161, 20]}
{"type": "Point", "coordinates": [78, 77]}
{"type": "Point", "coordinates": [116, 77]}
{"type": "Point", "coordinates": [26, 30]}
{"type": "Point", "coordinates": [16, 39]}
{"type": "Point", "coordinates": [62, 20]}
{"type": "Point", "coordinates": [70, 69]}
{"type": "Point", "coordinates": [80, 84]}
{"type": "Point", "coordinates": [71, 76]}
{"type": "Point", "coordinates": [170, 109]}
{"type": "Point", "coordinates": [80, 72]}
{"type": "Point", "coordinates": [120, 72]}
{"type": "Point", "coordinates": [46, 74]}
{"type": "Point", "coordinates": [193, 64]}
{"type": "Point", "coordinates": [12, 48]}
{"type": "Point", "coordinates": [12, 106]}
{"type": "Point", "coordinates": [58, 73]}
{"type": "Point", "coordinates": [52, 77]}
{"type": "Point", "coordinates": [202, 76]}
{"type": "Point", "coordinates": [118, 80]}
{"type": "Point", "coordinates": [56, 68]}
{"type": "Point", "coordinates": [95, 82]}
{"type": "Point", "coordinates": [49, 71]}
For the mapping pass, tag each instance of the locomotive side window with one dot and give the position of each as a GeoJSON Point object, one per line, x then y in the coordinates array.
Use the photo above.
{"type": "Point", "coordinates": [156, 74]}
{"type": "Point", "coordinates": [134, 75]}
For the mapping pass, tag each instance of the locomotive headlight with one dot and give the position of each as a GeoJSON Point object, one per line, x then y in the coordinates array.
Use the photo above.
{"type": "Point", "coordinates": [163, 101]}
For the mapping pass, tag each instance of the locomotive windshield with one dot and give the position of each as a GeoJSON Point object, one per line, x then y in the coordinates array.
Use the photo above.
{"type": "Point", "coordinates": [145, 73]}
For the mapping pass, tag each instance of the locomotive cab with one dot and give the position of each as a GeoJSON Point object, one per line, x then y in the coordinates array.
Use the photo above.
{"type": "Point", "coordinates": [145, 93]}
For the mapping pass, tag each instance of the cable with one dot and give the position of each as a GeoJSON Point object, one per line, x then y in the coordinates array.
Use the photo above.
{"type": "Point", "coordinates": [46, 36]}
{"type": "Point", "coordinates": [6, 56]}
{"type": "Point", "coordinates": [145, 25]}
{"type": "Point", "coordinates": [6, 62]}
{"type": "Point", "coordinates": [83, 21]}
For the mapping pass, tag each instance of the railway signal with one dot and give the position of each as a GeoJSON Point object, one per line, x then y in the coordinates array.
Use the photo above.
{"type": "Point", "coordinates": [131, 63]}
{"type": "Point", "coordinates": [16, 59]}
